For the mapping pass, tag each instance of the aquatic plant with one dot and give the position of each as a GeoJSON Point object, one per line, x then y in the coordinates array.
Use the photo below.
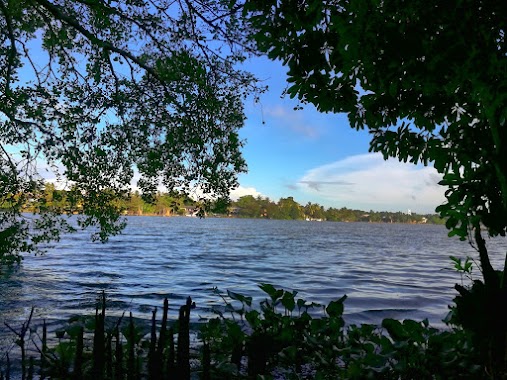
{"type": "Point", "coordinates": [284, 337]}
{"type": "Point", "coordinates": [299, 339]}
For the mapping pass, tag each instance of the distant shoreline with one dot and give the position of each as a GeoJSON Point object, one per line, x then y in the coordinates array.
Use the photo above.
{"type": "Point", "coordinates": [223, 216]}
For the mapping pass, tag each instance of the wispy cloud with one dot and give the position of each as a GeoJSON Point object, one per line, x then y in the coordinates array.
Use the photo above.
{"type": "Point", "coordinates": [368, 182]}
{"type": "Point", "coordinates": [291, 186]}
{"type": "Point", "coordinates": [287, 117]}
{"type": "Point", "coordinates": [317, 185]}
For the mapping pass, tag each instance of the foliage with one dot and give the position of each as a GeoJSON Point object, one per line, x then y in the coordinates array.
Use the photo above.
{"type": "Point", "coordinates": [464, 268]}
{"type": "Point", "coordinates": [288, 208]}
{"type": "Point", "coordinates": [427, 91]}
{"type": "Point", "coordinates": [56, 201]}
{"type": "Point", "coordinates": [314, 211]}
{"type": "Point", "coordinates": [93, 91]}
{"type": "Point", "coordinates": [286, 337]}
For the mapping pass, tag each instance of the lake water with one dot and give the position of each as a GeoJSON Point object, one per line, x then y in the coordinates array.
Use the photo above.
{"type": "Point", "coordinates": [386, 270]}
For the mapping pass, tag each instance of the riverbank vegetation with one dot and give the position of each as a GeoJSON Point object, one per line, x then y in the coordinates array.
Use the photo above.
{"type": "Point", "coordinates": [284, 337]}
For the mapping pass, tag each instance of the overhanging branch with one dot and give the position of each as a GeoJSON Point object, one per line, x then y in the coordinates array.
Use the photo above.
{"type": "Point", "coordinates": [12, 50]}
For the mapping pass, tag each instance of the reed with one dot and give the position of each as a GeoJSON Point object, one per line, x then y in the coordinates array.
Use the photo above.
{"type": "Point", "coordinates": [110, 353]}
{"type": "Point", "coordinates": [21, 342]}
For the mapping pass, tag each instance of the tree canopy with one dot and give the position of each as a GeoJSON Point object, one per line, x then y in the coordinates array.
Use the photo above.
{"type": "Point", "coordinates": [94, 91]}
{"type": "Point", "coordinates": [426, 78]}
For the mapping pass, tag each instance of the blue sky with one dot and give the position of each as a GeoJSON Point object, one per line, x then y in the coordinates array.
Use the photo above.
{"type": "Point", "coordinates": [318, 158]}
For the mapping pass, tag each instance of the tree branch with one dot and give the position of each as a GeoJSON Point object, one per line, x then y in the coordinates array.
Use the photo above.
{"type": "Point", "coordinates": [12, 50]}
{"type": "Point", "coordinates": [215, 27]}
{"type": "Point", "coordinates": [489, 274]}
{"type": "Point", "coordinates": [72, 22]}
{"type": "Point", "coordinates": [9, 159]}
{"type": "Point", "coordinates": [124, 16]}
{"type": "Point", "coordinates": [32, 63]}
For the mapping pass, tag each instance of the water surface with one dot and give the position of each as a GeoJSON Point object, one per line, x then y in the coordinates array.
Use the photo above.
{"type": "Point", "coordinates": [386, 270]}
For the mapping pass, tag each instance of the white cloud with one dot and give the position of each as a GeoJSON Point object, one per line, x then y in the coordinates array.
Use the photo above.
{"type": "Point", "coordinates": [368, 182]}
{"type": "Point", "coordinates": [197, 193]}
{"type": "Point", "coordinates": [242, 191]}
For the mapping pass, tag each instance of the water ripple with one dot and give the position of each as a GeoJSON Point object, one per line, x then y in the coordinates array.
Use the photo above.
{"type": "Point", "coordinates": [387, 270]}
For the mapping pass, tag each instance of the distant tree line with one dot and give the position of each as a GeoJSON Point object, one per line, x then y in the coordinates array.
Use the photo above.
{"type": "Point", "coordinates": [249, 206]}
{"type": "Point", "coordinates": [51, 199]}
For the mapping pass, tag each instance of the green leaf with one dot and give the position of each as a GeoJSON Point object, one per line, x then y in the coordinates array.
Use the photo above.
{"type": "Point", "coordinates": [288, 300]}
{"type": "Point", "coordinates": [335, 308]}
{"type": "Point", "coordinates": [395, 329]}
{"type": "Point", "coordinates": [239, 297]}
{"type": "Point", "coordinates": [270, 290]}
